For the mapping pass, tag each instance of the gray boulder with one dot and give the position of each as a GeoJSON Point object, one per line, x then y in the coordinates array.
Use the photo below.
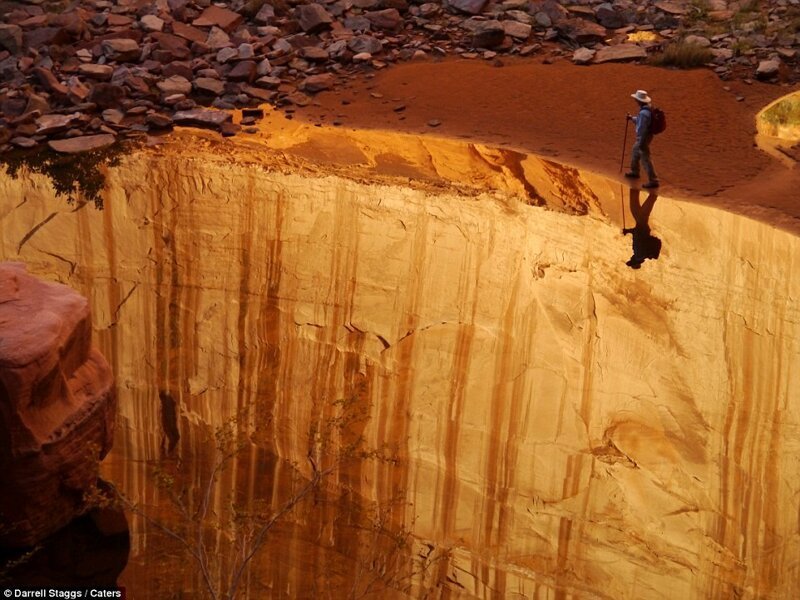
{"type": "Point", "coordinates": [608, 17]}
{"type": "Point", "coordinates": [313, 18]}
{"type": "Point", "coordinates": [470, 7]}
{"type": "Point", "coordinates": [520, 31]}
{"type": "Point", "coordinates": [207, 85]}
{"type": "Point", "coordinates": [388, 20]}
{"type": "Point", "coordinates": [121, 49]}
{"type": "Point", "coordinates": [583, 56]}
{"type": "Point", "coordinates": [768, 68]}
{"type": "Point", "coordinates": [365, 43]}
{"type": "Point", "coordinates": [11, 38]}
{"type": "Point", "coordinates": [318, 83]}
{"type": "Point", "coordinates": [488, 34]}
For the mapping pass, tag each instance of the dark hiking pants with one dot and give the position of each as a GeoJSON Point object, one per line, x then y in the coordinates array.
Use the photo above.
{"type": "Point", "coordinates": [641, 151]}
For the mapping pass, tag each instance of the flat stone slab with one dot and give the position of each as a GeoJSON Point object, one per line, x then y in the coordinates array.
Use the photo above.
{"type": "Point", "coordinates": [672, 8]}
{"type": "Point", "coordinates": [102, 72]}
{"type": "Point", "coordinates": [620, 52]}
{"type": "Point", "coordinates": [220, 17]}
{"type": "Point", "coordinates": [201, 117]}
{"type": "Point", "coordinates": [84, 143]}
{"type": "Point", "coordinates": [47, 124]}
{"type": "Point", "coordinates": [583, 56]}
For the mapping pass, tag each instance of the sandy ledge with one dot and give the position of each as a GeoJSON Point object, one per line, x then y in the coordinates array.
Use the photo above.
{"type": "Point", "coordinates": [575, 115]}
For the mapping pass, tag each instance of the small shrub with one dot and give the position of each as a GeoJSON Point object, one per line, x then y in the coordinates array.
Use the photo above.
{"type": "Point", "coordinates": [741, 47]}
{"type": "Point", "coordinates": [750, 6]}
{"type": "Point", "coordinates": [786, 112]}
{"type": "Point", "coordinates": [683, 56]}
{"type": "Point", "coordinates": [698, 11]}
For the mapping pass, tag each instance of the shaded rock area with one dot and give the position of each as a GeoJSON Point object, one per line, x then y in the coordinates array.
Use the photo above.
{"type": "Point", "coordinates": [150, 60]}
{"type": "Point", "coordinates": [57, 406]}
{"type": "Point", "coordinates": [90, 551]}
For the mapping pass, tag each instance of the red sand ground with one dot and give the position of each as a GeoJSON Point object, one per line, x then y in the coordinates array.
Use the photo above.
{"type": "Point", "coordinates": [577, 115]}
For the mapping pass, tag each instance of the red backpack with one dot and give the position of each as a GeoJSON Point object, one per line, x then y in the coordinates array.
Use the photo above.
{"type": "Point", "coordinates": [658, 121]}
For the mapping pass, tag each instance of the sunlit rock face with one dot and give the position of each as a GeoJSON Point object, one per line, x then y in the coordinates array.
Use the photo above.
{"type": "Point", "coordinates": [567, 426]}
{"type": "Point", "coordinates": [56, 406]}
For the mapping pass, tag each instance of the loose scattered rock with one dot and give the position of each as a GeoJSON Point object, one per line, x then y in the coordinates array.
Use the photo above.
{"type": "Point", "coordinates": [315, 53]}
{"type": "Point", "coordinates": [515, 29]}
{"type": "Point", "coordinates": [470, 7]}
{"type": "Point", "coordinates": [11, 38]}
{"type": "Point", "coordinates": [488, 34]}
{"type": "Point", "coordinates": [243, 71]}
{"type": "Point", "coordinates": [768, 68]}
{"type": "Point", "coordinates": [159, 120]}
{"type": "Point", "coordinates": [174, 85]}
{"type": "Point", "coordinates": [209, 86]}
{"type": "Point", "coordinates": [201, 117]}
{"type": "Point", "coordinates": [388, 19]}
{"type": "Point", "coordinates": [100, 72]}
{"type": "Point", "coordinates": [365, 43]}
{"type": "Point", "coordinates": [318, 83]}
{"type": "Point", "coordinates": [214, 16]}
{"type": "Point", "coordinates": [121, 50]}
{"type": "Point", "coordinates": [84, 143]}
{"type": "Point", "coordinates": [50, 82]}
{"type": "Point", "coordinates": [47, 124]}
{"type": "Point", "coordinates": [583, 31]}
{"type": "Point", "coordinates": [672, 8]}
{"type": "Point", "coordinates": [152, 23]}
{"type": "Point", "coordinates": [313, 18]}
{"type": "Point", "coordinates": [120, 63]}
{"type": "Point", "coordinates": [620, 52]}
{"type": "Point", "coordinates": [697, 40]}
{"type": "Point", "coordinates": [24, 142]}
{"type": "Point", "coordinates": [583, 56]}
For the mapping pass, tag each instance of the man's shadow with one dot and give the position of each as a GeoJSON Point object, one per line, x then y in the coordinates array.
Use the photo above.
{"type": "Point", "coordinates": [644, 245]}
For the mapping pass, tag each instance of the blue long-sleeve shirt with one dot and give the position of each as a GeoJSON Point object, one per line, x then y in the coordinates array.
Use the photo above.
{"type": "Point", "coordinates": [643, 120]}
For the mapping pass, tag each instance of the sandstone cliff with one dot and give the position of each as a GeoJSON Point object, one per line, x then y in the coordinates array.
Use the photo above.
{"type": "Point", "coordinates": [568, 426]}
{"type": "Point", "coordinates": [57, 406]}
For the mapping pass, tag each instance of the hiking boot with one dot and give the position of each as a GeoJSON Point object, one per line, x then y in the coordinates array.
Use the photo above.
{"type": "Point", "coordinates": [632, 175]}
{"type": "Point", "coordinates": [650, 185]}
{"type": "Point", "coordinates": [634, 264]}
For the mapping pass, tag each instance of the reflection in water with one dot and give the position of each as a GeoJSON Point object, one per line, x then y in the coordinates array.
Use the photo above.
{"type": "Point", "coordinates": [645, 245]}
{"type": "Point", "coordinates": [558, 429]}
{"type": "Point", "coordinates": [91, 551]}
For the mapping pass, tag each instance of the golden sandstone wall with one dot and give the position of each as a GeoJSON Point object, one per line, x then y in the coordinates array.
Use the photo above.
{"type": "Point", "coordinates": [568, 427]}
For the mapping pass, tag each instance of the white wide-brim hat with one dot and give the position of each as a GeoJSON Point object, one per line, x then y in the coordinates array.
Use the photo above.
{"type": "Point", "coordinates": [641, 96]}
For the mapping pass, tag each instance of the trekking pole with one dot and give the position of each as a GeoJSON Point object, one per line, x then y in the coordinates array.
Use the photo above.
{"type": "Point", "coordinates": [622, 206]}
{"type": "Point", "coordinates": [624, 144]}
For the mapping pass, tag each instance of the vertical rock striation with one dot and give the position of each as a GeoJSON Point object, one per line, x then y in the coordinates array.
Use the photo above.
{"type": "Point", "coordinates": [57, 406]}
{"type": "Point", "coordinates": [567, 426]}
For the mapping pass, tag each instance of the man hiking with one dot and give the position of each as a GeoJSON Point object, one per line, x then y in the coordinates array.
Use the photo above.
{"type": "Point", "coordinates": [644, 135]}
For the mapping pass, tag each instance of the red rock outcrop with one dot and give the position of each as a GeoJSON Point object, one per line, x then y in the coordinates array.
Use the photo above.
{"type": "Point", "coordinates": [57, 406]}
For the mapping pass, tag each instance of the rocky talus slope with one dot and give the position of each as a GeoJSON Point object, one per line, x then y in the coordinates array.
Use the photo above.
{"type": "Point", "coordinates": [79, 75]}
